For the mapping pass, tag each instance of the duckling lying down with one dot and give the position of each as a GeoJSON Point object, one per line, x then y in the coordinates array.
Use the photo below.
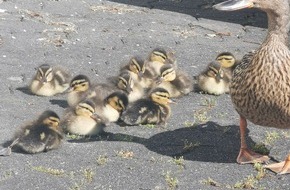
{"type": "Point", "coordinates": [42, 135]}
{"type": "Point", "coordinates": [153, 110]}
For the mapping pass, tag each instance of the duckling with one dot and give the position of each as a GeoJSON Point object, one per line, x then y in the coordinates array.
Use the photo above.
{"type": "Point", "coordinates": [138, 71]}
{"type": "Point", "coordinates": [110, 108]}
{"type": "Point", "coordinates": [81, 120]}
{"type": "Point", "coordinates": [260, 84]}
{"type": "Point", "coordinates": [42, 135]}
{"type": "Point", "coordinates": [213, 79]}
{"type": "Point", "coordinates": [151, 110]}
{"type": "Point", "coordinates": [79, 89]}
{"type": "Point", "coordinates": [177, 83]}
{"type": "Point", "coordinates": [157, 58]}
{"type": "Point", "coordinates": [49, 81]}
{"type": "Point", "coordinates": [132, 88]}
{"type": "Point", "coordinates": [228, 62]}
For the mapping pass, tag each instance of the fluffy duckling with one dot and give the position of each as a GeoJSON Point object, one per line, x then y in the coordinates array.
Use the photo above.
{"type": "Point", "coordinates": [132, 88]}
{"type": "Point", "coordinates": [138, 71]}
{"type": "Point", "coordinates": [174, 81]}
{"type": "Point", "coordinates": [79, 89]}
{"type": "Point", "coordinates": [49, 81]}
{"type": "Point", "coordinates": [157, 58]}
{"type": "Point", "coordinates": [228, 62]}
{"type": "Point", "coordinates": [42, 135]}
{"type": "Point", "coordinates": [213, 79]}
{"type": "Point", "coordinates": [81, 120]}
{"type": "Point", "coordinates": [110, 108]}
{"type": "Point", "coordinates": [152, 110]}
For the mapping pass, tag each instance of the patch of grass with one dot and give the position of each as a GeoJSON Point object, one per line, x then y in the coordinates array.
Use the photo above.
{"type": "Point", "coordinates": [271, 137]}
{"type": "Point", "coordinates": [188, 123]}
{"type": "Point", "coordinates": [48, 170]}
{"type": "Point", "coordinates": [102, 160]}
{"type": "Point", "coordinates": [261, 171]}
{"type": "Point", "coordinates": [151, 126]}
{"type": "Point", "coordinates": [74, 136]}
{"type": "Point", "coordinates": [171, 181]}
{"type": "Point", "coordinates": [209, 102]}
{"type": "Point", "coordinates": [260, 148]}
{"type": "Point", "coordinates": [179, 162]}
{"type": "Point", "coordinates": [88, 174]}
{"type": "Point", "coordinates": [248, 183]}
{"type": "Point", "coordinates": [125, 154]}
{"type": "Point", "coordinates": [200, 117]}
{"type": "Point", "coordinates": [190, 145]}
{"type": "Point", "coordinates": [211, 182]}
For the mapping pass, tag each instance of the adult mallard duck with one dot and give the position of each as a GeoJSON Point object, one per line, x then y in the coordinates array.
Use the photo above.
{"type": "Point", "coordinates": [260, 85]}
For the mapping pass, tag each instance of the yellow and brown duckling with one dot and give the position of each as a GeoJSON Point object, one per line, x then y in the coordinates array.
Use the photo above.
{"type": "Point", "coordinates": [138, 71]}
{"type": "Point", "coordinates": [49, 81]}
{"type": "Point", "coordinates": [132, 88]}
{"type": "Point", "coordinates": [213, 80]}
{"type": "Point", "coordinates": [79, 89]}
{"type": "Point", "coordinates": [228, 62]}
{"type": "Point", "coordinates": [157, 58]}
{"type": "Point", "coordinates": [260, 84]}
{"type": "Point", "coordinates": [81, 119]}
{"type": "Point", "coordinates": [42, 135]}
{"type": "Point", "coordinates": [151, 110]}
{"type": "Point", "coordinates": [110, 109]}
{"type": "Point", "coordinates": [176, 82]}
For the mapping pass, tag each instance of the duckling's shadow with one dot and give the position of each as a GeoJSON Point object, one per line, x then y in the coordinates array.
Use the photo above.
{"type": "Point", "coordinates": [207, 143]}
{"type": "Point", "coordinates": [25, 90]}
{"type": "Point", "coordinates": [60, 103]}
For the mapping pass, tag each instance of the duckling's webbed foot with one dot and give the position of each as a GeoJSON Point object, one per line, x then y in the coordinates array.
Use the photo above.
{"type": "Point", "coordinates": [247, 156]}
{"type": "Point", "coordinates": [5, 151]}
{"type": "Point", "coordinates": [281, 167]}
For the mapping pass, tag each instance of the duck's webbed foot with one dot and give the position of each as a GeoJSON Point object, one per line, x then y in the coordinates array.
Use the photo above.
{"type": "Point", "coordinates": [247, 156]}
{"type": "Point", "coordinates": [281, 167]}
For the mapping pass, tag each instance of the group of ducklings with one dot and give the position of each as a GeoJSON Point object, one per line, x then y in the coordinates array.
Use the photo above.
{"type": "Point", "coordinates": [139, 94]}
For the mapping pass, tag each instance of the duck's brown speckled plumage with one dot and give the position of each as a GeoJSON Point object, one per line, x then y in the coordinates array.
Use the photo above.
{"type": "Point", "coordinates": [260, 86]}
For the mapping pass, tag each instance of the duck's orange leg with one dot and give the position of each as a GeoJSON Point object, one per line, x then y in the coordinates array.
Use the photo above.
{"type": "Point", "coordinates": [281, 167]}
{"type": "Point", "coordinates": [246, 155]}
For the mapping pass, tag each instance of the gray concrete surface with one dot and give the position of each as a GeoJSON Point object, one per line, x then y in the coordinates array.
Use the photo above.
{"type": "Point", "coordinates": [198, 147]}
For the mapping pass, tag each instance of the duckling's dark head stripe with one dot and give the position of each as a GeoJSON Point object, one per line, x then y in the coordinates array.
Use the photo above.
{"type": "Point", "coordinates": [167, 71]}
{"type": "Point", "coordinates": [123, 81]}
{"type": "Point", "coordinates": [225, 57]}
{"type": "Point", "coordinates": [77, 82]}
{"type": "Point", "coordinates": [136, 63]}
{"type": "Point", "coordinates": [160, 54]}
{"type": "Point", "coordinates": [86, 106]}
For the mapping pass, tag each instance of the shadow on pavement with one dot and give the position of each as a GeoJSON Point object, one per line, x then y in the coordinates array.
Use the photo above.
{"type": "Point", "coordinates": [209, 142]}
{"type": "Point", "coordinates": [203, 9]}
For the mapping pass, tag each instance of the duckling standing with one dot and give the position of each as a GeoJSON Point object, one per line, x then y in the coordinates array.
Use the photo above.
{"type": "Point", "coordinates": [260, 85]}
{"type": "Point", "coordinates": [110, 109]}
{"type": "Point", "coordinates": [213, 79]}
{"type": "Point", "coordinates": [153, 110]}
{"type": "Point", "coordinates": [174, 81]}
{"type": "Point", "coordinates": [228, 62]}
{"type": "Point", "coordinates": [42, 135]}
{"type": "Point", "coordinates": [81, 120]}
{"type": "Point", "coordinates": [49, 81]}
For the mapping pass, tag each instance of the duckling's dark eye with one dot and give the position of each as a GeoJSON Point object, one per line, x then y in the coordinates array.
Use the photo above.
{"type": "Point", "coordinates": [83, 84]}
